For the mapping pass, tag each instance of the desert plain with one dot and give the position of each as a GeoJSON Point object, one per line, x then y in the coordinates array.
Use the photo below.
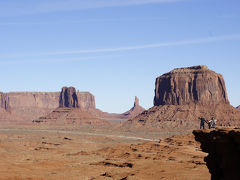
{"type": "Point", "coordinates": [33, 152]}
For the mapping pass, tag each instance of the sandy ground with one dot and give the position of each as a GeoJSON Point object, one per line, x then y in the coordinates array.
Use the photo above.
{"type": "Point", "coordinates": [38, 153]}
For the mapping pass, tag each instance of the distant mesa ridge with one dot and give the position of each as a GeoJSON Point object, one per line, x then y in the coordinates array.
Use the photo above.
{"type": "Point", "coordinates": [28, 106]}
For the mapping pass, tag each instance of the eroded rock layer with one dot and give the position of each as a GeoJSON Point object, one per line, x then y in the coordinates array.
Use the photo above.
{"type": "Point", "coordinates": [195, 84]}
{"type": "Point", "coordinates": [223, 148]}
{"type": "Point", "coordinates": [182, 96]}
{"type": "Point", "coordinates": [26, 106]}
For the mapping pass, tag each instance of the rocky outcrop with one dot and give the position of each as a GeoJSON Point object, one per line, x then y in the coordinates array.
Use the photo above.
{"type": "Point", "coordinates": [72, 110]}
{"type": "Point", "coordinates": [4, 101]}
{"type": "Point", "coordinates": [86, 101]}
{"type": "Point", "coordinates": [183, 95]}
{"type": "Point", "coordinates": [222, 146]}
{"type": "Point", "coordinates": [135, 110]}
{"type": "Point", "coordinates": [238, 107]}
{"type": "Point", "coordinates": [68, 98]}
{"type": "Point", "coordinates": [195, 84]}
{"type": "Point", "coordinates": [26, 106]}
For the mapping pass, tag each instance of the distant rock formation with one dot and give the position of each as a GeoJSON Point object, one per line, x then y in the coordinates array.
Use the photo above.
{"type": "Point", "coordinates": [195, 84]}
{"type": "Point", "coordinates": [183, 95]}
{"type": "Point", "coordinates": [135, 110]}
{"type": "Point", "coordinates": [238, 107]}
{"type": "Point", "coordinates": [70, 112]}
{"type": "Point", "coordinates": [68, 98]}
{"type": "Point", "coordinates": [222, 146]}
{"type": "Point", "coordinates": [26, 106]}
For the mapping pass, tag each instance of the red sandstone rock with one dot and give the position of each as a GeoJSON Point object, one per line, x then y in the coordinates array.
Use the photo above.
{"type": "Point", "coordinates": [135, 110]}
{"type": "Point", "coordinates": [70, 112]}
{"type": "Point", "coordinates": [68, 98]}
{"type": "Point", "coordinates": [238, 107]}
{"type": "Point", "coordinates": [26, 106]}
{"type": "Point", "coordinates": [4, 101]}
{"type": "Point", "coordinates": [183, 95]}
{"type": "Point", "coordinates": [223, 160]}
{"type": "Point", "coordinates": [195, 84]}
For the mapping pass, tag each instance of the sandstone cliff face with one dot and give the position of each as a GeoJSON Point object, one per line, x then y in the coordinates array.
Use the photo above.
{"type": "Point", "coordinates": [29, 105]}
{"type": "Point", "coordinates": [195, 84]}
{"type": "Point", "coordinates": [86, 101]}
{"type": "Point", "coordinates": [68, 98]}
{"type": "Point", "coordinates": [223, 160]}
{"type": "Point", "coordinates": [238, 107]}
{"type": "Point", "coordinates": [26, 106]}
{"type": "Point", "coordinates": [183, 95]}
{"type": "Point", "coordinates": [4, 101]}
{"type": "Point", "coordinates": [70, 111]}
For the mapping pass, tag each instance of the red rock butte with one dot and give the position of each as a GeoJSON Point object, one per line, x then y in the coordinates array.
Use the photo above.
{"type": "Point", "coordinates": [196, 84]}
{"type": "Point", "coordinates": [183, 95]}
{"type": "Point", "coordinates": [69, 111]}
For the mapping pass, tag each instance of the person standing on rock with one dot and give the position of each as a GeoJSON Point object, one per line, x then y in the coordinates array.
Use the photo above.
{"type": "Point", "coordinates": [213, 122]}
{"type": "Point", "coordinates": [209, 124]}
{"type": "Point", "coordinates": [202, 121]}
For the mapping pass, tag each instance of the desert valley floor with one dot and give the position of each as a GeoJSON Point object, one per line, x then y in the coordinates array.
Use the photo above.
{"type": "Point", "coordinates": [32, 152]}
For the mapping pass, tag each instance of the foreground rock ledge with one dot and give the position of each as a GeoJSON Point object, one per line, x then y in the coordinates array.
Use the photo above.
{"type": "Point", "coordinates": [223, 146]}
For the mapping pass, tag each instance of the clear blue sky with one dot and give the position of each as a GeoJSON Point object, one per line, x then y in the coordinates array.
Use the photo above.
{"type": "Point", "coordinates": [115, 48]}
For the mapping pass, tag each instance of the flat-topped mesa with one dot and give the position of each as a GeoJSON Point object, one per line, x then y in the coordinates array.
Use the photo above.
{"type": "Point", "coordinates": [68, 98]}
{"type": "Point", "coordinates": [196, 84]}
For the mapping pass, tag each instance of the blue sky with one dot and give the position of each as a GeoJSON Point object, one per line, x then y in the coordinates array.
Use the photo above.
{"type": "Point", "coordinates": [115, 48]}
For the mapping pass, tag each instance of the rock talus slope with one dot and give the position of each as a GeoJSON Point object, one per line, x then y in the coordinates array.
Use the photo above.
{"type": "Point", "coordinates": [183, 95]}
